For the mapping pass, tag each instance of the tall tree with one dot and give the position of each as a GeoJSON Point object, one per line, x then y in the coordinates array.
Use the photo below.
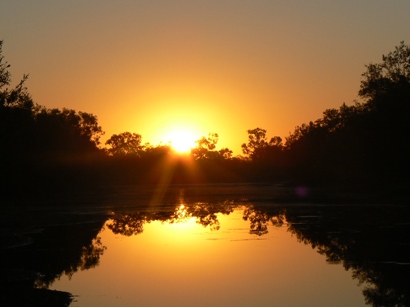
{"type": "Point", "coordinates": [392, 72]}
{"type": "Point", "coordinates": [259, 148]}
{"type": "Point", "coordinates": [256, 139]}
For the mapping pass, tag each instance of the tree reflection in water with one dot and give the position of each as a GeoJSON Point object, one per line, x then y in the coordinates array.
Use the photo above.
{"type": "Point", "coordinates": [259, 220]}
{"type": "Point", "coordinates": [206, 214]}
{"type": "Point", "coordinates": [88, 258]}
{"type": "Point", "coordinates": [128, 224]}
{"type": "Point", "coordinates": [368, 241]}
{"type": "Point", "coordinates": [58, 242]}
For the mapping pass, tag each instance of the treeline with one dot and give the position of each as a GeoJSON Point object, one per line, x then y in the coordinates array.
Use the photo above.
{"type": "Point", "coordinates": [52, 150]}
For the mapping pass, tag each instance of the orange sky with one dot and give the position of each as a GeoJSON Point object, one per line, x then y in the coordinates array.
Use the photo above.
{"type": "Point", "coordinates": [207, 66]}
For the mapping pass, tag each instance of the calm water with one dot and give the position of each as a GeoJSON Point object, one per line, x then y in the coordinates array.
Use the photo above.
{"type": "Point", "coordinates": [179, 262]}
{"type": "Point", "coordinates": [211, 246]}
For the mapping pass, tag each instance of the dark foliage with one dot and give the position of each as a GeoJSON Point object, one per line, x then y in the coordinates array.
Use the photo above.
{"type": "Point", "coordinates": [366, 142]}
{"type": "Point", "coordinates": [46, 151]}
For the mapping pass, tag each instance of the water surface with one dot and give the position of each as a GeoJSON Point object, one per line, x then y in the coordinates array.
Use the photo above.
{"type": "Point", "coordinates": [225, 261]}
{"type": "Point", "coordinates": [223, 245]}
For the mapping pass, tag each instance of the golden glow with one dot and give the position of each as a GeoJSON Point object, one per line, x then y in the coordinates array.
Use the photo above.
{"type": "Point", "coordinates": [181, 213]}
{"type": "Point", "coordinates": [182, 220]}
{"type": "Point", "coordinates": [182, 140]}
{"type": "Point", "coordinates": [225, 76]}
{"type": "Point", "coordinates": [174, 258]}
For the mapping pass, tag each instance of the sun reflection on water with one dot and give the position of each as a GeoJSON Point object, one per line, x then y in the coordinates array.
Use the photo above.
{"type": "Point", "coordinates": [181, 213]}
{"type": "Point", "coordinates": [214, 250]}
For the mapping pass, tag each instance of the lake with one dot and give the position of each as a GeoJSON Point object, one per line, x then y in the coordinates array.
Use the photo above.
{"type": "Point", "coordinates": [218, 245]}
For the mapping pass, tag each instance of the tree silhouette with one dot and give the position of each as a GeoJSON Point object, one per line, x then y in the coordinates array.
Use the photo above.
{"type": "Point", "coordinates": [67, 131]}
{"type": "Point", "coordinates": [12, 97]}
{"type": "Point", "coordinates": [386, 86]}
{"type": "Point", "coordinates": [256, 139]}
{"type": "Point", "coordinates": [393, 72]}
{"type": "Point", "coordinates": [367, 142]}
{"type": "Point", "coordinates": [125, 143]}
{"type": "Point", "coordinates": [205, 147]}
{"type": "Point", "coordinates": [360, 143]}
{"type": "Point", "coordinates": [4, 73]}
{"type": "Point", "coordinates": [43, 149]}
{"type": "Point", "coordinates": [258, 147]}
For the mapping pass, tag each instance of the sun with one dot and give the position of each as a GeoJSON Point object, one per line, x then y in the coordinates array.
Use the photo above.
{"type": "Point", "coordinates": [181, 141]}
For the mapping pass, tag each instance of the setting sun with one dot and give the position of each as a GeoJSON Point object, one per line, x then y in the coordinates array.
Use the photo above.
{"type": "Point", "coordinates": [182, 140]}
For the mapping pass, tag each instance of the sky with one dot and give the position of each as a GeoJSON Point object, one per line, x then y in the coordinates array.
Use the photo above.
{"type": "Point", "coordinates": [151, 67]}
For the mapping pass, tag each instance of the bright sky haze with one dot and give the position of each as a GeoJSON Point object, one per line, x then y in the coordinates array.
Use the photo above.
{"type": "Point", "coordinates": [154, 67]}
